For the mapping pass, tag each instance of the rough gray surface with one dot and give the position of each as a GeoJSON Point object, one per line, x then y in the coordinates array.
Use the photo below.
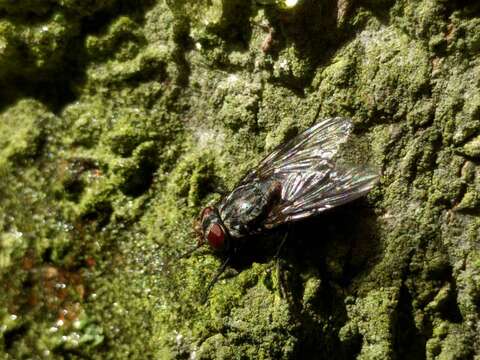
{"type": "Point", "coordinates": [119, 121]}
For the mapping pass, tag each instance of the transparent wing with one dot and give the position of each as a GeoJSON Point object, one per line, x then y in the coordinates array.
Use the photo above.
{"type": "Point", "coordinates": [328, 186]}
{"type": "Point", "coordinates": [318, 142]}
{"type": "Point", "coordinates": [312, 181]}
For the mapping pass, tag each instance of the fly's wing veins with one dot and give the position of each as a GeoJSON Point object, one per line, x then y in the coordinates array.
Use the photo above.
{"type": "Point", "coordinates": [311, 180]}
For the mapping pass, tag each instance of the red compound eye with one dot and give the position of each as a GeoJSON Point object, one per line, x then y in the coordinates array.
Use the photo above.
{"type": "Point", "coordinates": [216, 237]}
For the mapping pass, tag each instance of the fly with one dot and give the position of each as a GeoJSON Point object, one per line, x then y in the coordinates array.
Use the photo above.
{"type": "Point", "coordinates": [298, 179]}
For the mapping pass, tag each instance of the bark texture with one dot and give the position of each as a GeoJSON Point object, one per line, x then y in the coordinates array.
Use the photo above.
{"type": "Point", "coordinates": [120, 120]}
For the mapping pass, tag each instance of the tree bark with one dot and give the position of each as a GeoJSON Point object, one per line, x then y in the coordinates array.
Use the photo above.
{"type": "Point", "coordinates": [119, 122]}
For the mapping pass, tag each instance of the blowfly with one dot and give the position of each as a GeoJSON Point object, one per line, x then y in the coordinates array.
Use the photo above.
{"type": "Point", "coordinates": [298, 179]}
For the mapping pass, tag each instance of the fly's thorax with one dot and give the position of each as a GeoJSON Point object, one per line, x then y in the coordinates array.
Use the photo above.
{"type": "Point", "coordinates": [213, 230]}
{"type": "Point", "coordinates": [244, 209]}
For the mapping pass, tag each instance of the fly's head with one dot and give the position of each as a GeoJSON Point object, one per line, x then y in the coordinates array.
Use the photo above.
{"type": "Point", "coordinates": [210, 229]}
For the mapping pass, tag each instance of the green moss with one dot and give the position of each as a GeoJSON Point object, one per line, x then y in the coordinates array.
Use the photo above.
{"type": "Point", "coordinates": [23, 132]}
{"type": "Point", "coordinates": [71, 5]}
{"type": "Point", "coordinates": [123, 38]}
{"type": "Point", "coordinates": [470, 200]}
{"type": "Point", "coordinates": [375, 329]}
{"type": "Point", "coordinates": [472, 148]}
{"type": "Point", "coordinates": [40, 47]}
{"type": "Point", "coordinates": [120, 122]}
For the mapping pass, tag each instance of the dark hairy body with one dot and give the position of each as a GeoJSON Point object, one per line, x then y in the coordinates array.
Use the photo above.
{"type": "Point", "coordinates": [245, 210]}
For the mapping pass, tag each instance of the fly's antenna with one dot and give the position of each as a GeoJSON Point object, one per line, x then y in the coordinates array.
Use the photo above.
{"type": "Point", "coordinates": [220, 271]}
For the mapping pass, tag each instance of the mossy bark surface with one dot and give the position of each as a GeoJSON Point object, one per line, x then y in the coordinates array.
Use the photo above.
{"type": "Point", "coordinates": [120, 120]}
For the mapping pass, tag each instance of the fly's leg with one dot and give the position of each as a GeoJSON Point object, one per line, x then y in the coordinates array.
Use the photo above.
{"type": "Point", "coordinates": [284, 274]}
{"type": "Point", "coordinates": [280, 247]}
{"type": "Point", "coordinates": [286, 280]}
{"type": "Point", "coordinates": [189, 252]}
{"type": "Point", "coordinates": [278, 267]}
{"type": "Point", "coordinates": [220, 271]}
